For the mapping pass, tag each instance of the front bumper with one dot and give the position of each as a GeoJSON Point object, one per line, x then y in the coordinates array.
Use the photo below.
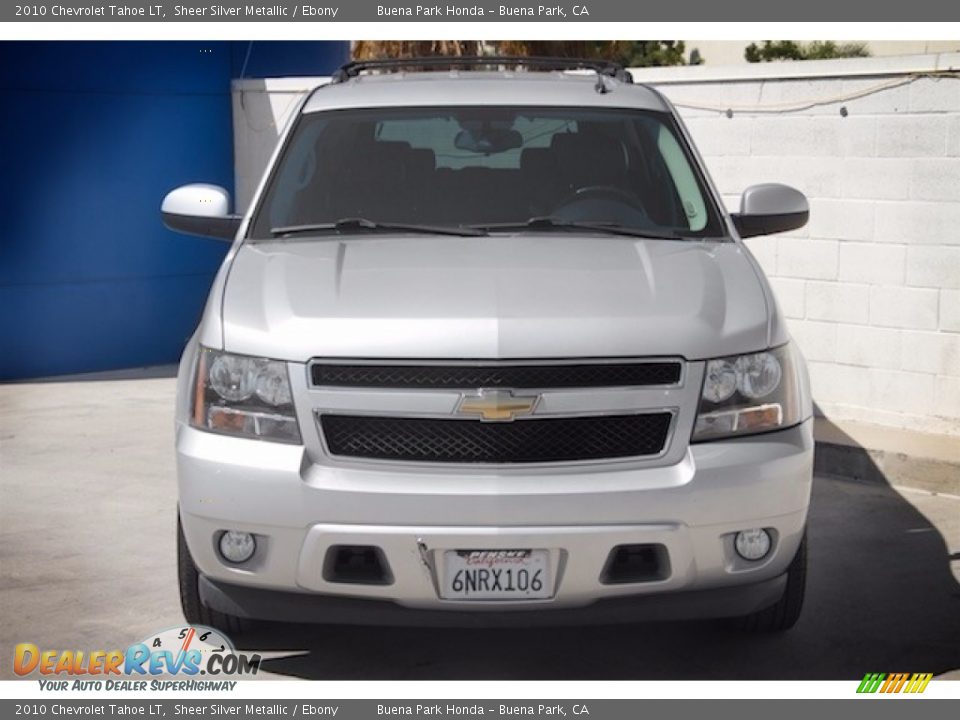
{"type": "Point", "coordinates": [256, 603]}
{"type": "Point", "coordinates": [299, 509]}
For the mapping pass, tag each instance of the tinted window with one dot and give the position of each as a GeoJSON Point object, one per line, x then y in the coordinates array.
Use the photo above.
{"type": "Point", "coordinates": [488, 165]}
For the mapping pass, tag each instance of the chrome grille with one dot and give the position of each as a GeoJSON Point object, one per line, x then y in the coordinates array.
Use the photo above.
{"type": "Point", "coordinates": [528, 440]}
{"type": "Point", "coordinates": [496, 375]}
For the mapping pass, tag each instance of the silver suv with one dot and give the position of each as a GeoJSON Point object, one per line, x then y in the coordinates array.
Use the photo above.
{"type": "Point", "coordinates": [488, 349]}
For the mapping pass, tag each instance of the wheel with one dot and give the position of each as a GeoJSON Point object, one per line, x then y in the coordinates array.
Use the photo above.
{"type": "Point", "coordinates": [195, 612]}
{"type": "Point", "coordinates": [783, 614]}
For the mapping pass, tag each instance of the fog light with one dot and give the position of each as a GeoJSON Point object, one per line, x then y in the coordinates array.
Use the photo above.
{"type": "Point", "coordinates": [236, 546]}
{"type": "Point", "coordinates": [752, 544]}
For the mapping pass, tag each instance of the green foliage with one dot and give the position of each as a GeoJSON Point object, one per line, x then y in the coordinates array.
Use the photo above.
{"type": "Point", "coordinates": [790, 50]}
{"type": "Point", "coordinates": [629, 53]}
{"type": "Point", "coordinates": [827, 49]}
{"type": "Point", "coordinates": [653, 53]}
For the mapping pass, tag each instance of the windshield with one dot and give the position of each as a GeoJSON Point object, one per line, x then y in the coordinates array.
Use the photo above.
{"type": "Point", "coordinates": [490, 168]}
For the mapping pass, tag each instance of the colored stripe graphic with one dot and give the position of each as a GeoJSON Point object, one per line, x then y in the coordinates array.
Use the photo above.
{"type": "Point", "coordinates": [871, 682]}
{"type": "Point", "coordinates": [894, 682]}
{"type": "Point", "coordinates": [899, 682]}
{"type": "Point", "coordinates": [919, 682]}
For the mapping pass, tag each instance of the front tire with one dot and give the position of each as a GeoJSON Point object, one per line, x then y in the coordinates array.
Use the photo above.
{"type": "Point", "coordinates": [783, 614]}
{"type": "Point", "coordinates": [194, 610]}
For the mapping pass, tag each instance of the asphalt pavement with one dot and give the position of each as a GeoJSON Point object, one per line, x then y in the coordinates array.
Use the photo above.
{"type": "Point", "coordinates": [87, 530]}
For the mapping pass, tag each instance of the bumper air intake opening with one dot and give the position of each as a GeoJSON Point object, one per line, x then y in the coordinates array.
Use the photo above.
{"type": "Point", "coordinates": [636, 564]}
{"type": "Point", "coordinates": [356, 565]}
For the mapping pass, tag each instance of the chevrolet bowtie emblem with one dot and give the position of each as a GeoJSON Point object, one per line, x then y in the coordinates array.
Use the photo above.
{"type": "Point", "coordinates": [496, 405]}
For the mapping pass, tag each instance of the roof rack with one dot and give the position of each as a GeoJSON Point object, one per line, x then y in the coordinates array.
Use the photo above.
{"type": "Point", "coordinates": [603, 68]}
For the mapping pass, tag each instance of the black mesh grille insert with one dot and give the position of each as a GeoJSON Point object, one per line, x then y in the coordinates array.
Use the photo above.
{"type": "Point", "coordinates": [473, 441]}
{"type": "Point", "coordinates": [492, 376]}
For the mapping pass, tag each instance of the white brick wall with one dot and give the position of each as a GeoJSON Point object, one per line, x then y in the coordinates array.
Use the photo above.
{"type": "Point", "coordinates": [874, 263]}
{"type": "Point", "coordinates": [870, 347]}
{"type": "Point", "coordinates": [950, 310]}
{"type": "Point", "coordinates": [807, 258]}
{"type": "Point", "coordinates": [953, 136]}
{"type": "Point", "coordinates": [838, 302]}
{"type": "Point", "coordinates": [871, 288]}
{"type": "Point", "coordinates": [791, 295]}
{"type": "Point", "coordinates": [933, 266]}
{"type": "Point", "coordinates": [903, 307]}
{"type": "Point", "coordinates": [912, 136]}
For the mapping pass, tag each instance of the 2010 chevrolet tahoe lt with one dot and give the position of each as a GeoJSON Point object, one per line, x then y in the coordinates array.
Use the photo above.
{"type": "Point", "coordinates": [488, 349]}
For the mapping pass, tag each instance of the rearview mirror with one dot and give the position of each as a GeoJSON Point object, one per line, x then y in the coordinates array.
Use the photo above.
{"type": "Point", "coordinates": [770, 208]}
{"type": "Point", "coordinates": [200, 209]}
{"type": "Point", "coordinates": [488, 141]}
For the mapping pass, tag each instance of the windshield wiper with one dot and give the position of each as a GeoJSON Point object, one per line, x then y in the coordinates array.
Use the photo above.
{"type": "Point", "coordinates": [362, 225]}
{"type": "Point", "coordinates": [551, 223]}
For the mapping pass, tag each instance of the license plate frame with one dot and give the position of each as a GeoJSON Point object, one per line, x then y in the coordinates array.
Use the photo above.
{"type": "Point", "coordinates": [497, 575]}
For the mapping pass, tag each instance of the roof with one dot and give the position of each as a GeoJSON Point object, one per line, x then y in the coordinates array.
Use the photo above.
{"type": "Point", "coordinates": [472, 87]}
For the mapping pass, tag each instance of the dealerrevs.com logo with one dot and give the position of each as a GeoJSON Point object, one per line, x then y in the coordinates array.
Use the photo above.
{"type": "Point", "coordinates": [185, 652]}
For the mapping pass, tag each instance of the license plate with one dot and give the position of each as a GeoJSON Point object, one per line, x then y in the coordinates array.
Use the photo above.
{"type": "Point", "coordinates": [496, 575]}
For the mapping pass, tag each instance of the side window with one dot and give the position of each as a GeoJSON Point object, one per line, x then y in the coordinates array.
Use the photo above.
{"type": "Point", "coordinates": [683, 178]}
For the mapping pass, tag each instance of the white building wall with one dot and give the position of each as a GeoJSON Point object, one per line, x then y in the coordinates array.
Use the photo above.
{"type": "Point", "coordinates": [731, 52]}
{"type": "Point", "coordinates": [871, 287]}
{"type": "Point", "coordinates": [261, 109]}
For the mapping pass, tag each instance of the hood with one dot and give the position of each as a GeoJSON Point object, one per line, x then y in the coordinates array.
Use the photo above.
{"type": "Point", "coordinates": [518, 296]}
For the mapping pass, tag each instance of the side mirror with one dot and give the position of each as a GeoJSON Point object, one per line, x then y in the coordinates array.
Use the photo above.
{"type": "Point", "coordinates": [770, 208]}
{"type": "Point", "coordinates": [200, 209]}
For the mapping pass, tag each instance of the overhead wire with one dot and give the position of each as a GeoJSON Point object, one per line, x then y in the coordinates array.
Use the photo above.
{"type": "Point", "coordinates": [792, 107]}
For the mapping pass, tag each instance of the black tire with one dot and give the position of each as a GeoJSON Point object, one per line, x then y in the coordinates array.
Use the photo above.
{"type": "Point", "coordinates": [783, 614]}
{"type": "Point", "coordinates": [195, 612]}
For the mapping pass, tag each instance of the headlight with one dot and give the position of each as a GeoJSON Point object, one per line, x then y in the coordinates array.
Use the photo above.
{"type": "Point", "coordinates": [720, 382]}
{"type": "Point", "coordinates": [749, 394]}
{"type": "Point", "coordinates": [242, 395]}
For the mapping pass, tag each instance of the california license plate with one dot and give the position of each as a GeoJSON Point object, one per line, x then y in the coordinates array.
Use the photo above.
{"type": "Point", "coordinates": [496, 575]}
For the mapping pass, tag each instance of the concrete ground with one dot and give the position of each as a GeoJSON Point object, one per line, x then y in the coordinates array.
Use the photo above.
{"type": "Point", "coordinates": [888, 455]}
{"type": "Point", "coordinates": [87, 519]}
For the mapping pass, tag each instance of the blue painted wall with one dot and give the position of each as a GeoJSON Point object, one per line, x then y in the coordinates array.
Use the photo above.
{"type": "Point", "coordinates": [93, 135]}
